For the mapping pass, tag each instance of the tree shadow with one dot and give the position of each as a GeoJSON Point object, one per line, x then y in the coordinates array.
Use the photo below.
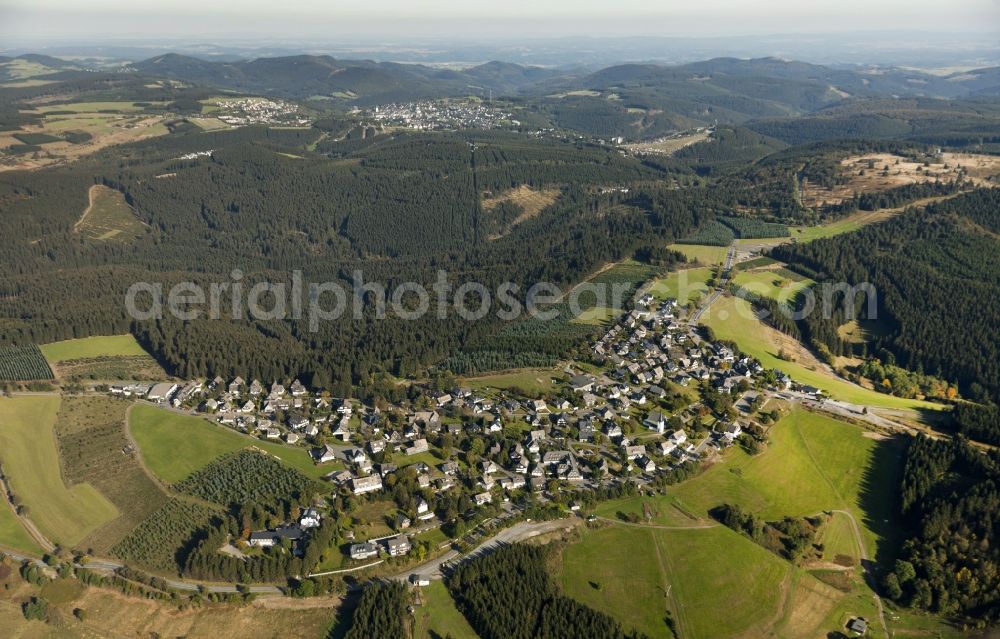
{"type": "Point", "coordinates": [879, 499]}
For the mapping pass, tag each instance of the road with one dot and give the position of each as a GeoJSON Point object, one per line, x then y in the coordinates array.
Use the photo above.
{"type": "Point", "coordinates": [723, 280]}
{"type": "Point", "coordinates": [518, 532]}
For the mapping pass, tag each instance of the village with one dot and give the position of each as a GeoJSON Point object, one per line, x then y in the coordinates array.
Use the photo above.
{"type": "Point", "coordinates": [659, 401]}
{"type": "Point", "coordinates": [442, 115]}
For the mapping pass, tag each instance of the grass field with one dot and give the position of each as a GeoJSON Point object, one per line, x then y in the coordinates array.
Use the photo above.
{"type": "Point", "coordinates": [28, 450]}
{"type": "Point", "coordinates": [722, 584]}
{"type": "Point", "coordinates": [532, 380]}
{"type": "Point", "coordinates": [438, 616]}
{"type": "Point", "coordinates": [844, 225]}
{"type": "Point", "coordinates": [89, 347]}
{"type": "Point", "coordinates": [703, 254]}
{"type": "Point", "coordinates": [13, 535]}
{"type": "Point", "coordinates": [715, 582]}
{"type": "Point", "coordinates": [684, 286]}
{"type": "Point", "coordinates": [173, 445]}
{"type": "Point", "coordinates": [108, 217]}
{"type": "Point", "coordinates": [596, 316]}
{"type": "Point", "coordinates": [92, 107]}
{"type": "Point", "coordinates": [733, 319]}
{"type": "Point", "coordinates": [780, 285]}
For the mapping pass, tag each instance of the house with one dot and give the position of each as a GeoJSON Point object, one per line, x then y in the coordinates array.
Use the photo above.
{"type": "Point", "coordinates": [538, 406]}
{"type": "Point", "coordinates": [161, 392]}
{"type": "Point", "coordinates": [419, 446]}
{"type": "Point", "coordinates": [366, 550]}
{"type": "Point", "coordinates": [858, 626]}
{"type": "Point", "coordinates": [678, 437]}
{"type": "Point", "coordinates": [586, 431]}
{"type": "Point", "coordinates": [402, 521]}
{"type": "Point", "coordinates": [297, 389]}
{"type": "Point", "coordinates": [645, 464]}
{"type": "Point", "coordinates": [398, 545]}
{"type": "Point", "coordinates": [262, 539]}
{"type": "Point", "coordinates": [634, 452]}
{"type": "Point", "coordinates": [419, 580]}
{"type": "Point", "coordinates": [325, 454]}
{"type": "Point", "coordinates": [732, 431]}
{"type": "Point", "coordinates": [667, 447]}
{"type": "Point", "coordinates": [362, 485]}
{"type": "Point", "coordinates": [376, 445]}
{"type": "Point", "coordinates": [656, 421]}
{"type": "Point", "coordinates": [310, 518]}
{"type": "Point", "coordinates": [422, 507]}
{"type": "Point", "coordinates": [449, 468]}
{"type": "Point", "coordinates": [483, 498]}
{"type": "Point", "coordinates": [292, 438]}
{"type": "Point", "coordinates": [355, 455]}
{"type": "Point", "coordinates": [273, 433]}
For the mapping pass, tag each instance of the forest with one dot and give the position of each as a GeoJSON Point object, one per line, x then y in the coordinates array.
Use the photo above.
{"type": "Point", "coordinates": [932, 269]}
{"type": "Point", "coordinates": [949, 562]}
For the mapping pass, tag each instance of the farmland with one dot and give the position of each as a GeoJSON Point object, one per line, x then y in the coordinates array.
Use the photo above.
{"type": "Point", "coordinates": [95, 450]}
{"type": "Point", "coordinates": [733, 319]}
{"type": "Point", "coordinates": [13, 535]}
{"type": "Point", "coordinates": [64, 514]}
{"type": "Point", "coordinates": [23, 363]}
{"type": "Point", "coordinates": [173, 446]}
{"type": "Point", "coordinates": [108, 217]}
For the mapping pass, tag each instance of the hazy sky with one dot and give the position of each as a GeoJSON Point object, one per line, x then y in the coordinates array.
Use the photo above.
{"type": "Point", "coordinates": [84, 20]}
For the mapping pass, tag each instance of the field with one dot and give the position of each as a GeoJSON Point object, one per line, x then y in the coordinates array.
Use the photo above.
{"type": "Point", "coordinates": [733, 319]}
{"type": "Point", "coordinates": [702, 254]}
{"type": "Point", "coordinates": [684, 286]}
{"type": "Point", "coordinates": [173, 445]}
{"type": "Point", "coordinates": [111, 614]}
{"type": "Point", "coordinates": [112, 358]}
{"type": "Point", "coordinates": [532, 380]}
{"type": "Point", "coordinates": [844, 225]}
{"type": "Point", "coordinates": [95, 450]}
{"type": "Point", "coordinates": [13, 536]}
{"type": "Point", "coordinates": [596, 316]}
{"type": "Point", "coordinates": [438, 617]}
{"type": "Point", "coordinates": [779, 284]}
{"type": "Point", "coordinates": [83, 128]}
{"type": "Point", "coordinates": [65, 515]}
{"type": "Point", "coordinates": [89, 347]}
{"type": "Point", "coordinates": [23, 363]}
{"type": "Point", "coordinates": [108, 217]}
{"type": "Point", "coordinates": [715, 582]}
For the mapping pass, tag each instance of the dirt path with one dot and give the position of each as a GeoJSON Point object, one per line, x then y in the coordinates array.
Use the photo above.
{"type": "Point", "coordinates": [91, 194]}
{"type": "Point", "coordinates": [681, 623]}
{"type": "Point", "coordinates": [618, 522]}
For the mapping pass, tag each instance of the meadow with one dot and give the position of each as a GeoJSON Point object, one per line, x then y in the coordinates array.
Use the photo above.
{"type": "Point", "coordinates": [437, 616]}
{"type": "Point", "coordinates": [733, 319]}
{"type": "Point", "coordinates": [13, 536]}
{"type": "Point", "coordinates": [780, 285]}
{"type": "Point", "coordinates": [719, 582]}
{"type": "Point", "coordinates": [89, 347]}
{"type": "Point", "coordinates": [702, 253]}
{"type": "Point", "coordinates": [531, 380]}
{"type": "Point", "coordinates": [693, 283]}
{"type": "Point", "coordinates": [174, 446]}
{"type": "Point", "coordinates": [64, 514]}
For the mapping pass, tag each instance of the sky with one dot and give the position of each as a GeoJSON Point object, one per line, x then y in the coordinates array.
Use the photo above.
{"type": "Point", "coordinates": [44, 21]}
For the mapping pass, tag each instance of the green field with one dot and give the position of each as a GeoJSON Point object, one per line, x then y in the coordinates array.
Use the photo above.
{"type": "Point", "coordinates": [596, 316]}
{"type": "Point", "coordinates": [91, 347]}
{"type": "Point", "coordinates": [845, 225]}
{"type": "Point", "coordinates": [30, 458]}
{"type": "Point", "coordinates": [437, 615]}
{"type": "Point", "coordinates": [13, 535]}
{"type": "Point", "coordinates": [732, 319]}
{"type": "Point", "coordinates": [174, 445]}
{"type": "Point", "coordinates": [779, 284]}
{"type": "Point", "coordinates": [531, 380]}
{"type": "Point", "coordinates": [92, 107]}
{"type": "Point", "coordinates": [684, 286]}
{"type": "Point", "coordinates": [702, 253]}
{"type": "Point", "coordinates": [720, 584]}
